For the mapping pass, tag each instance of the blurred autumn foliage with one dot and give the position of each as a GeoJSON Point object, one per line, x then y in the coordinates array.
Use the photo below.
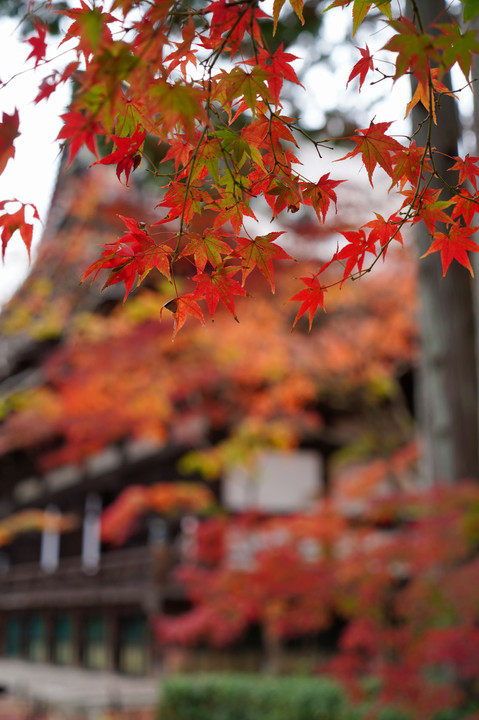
{"type": "Point", "coordinates": [119, 519]}
{"type": "Point", "coordinates": [34, 521]}
{"type": "Point", "coordinates": [396, 583]}
{"type": "Point", "coordinates": [114, 374]}
{"type": "Point", "coordinates": [108, 372]}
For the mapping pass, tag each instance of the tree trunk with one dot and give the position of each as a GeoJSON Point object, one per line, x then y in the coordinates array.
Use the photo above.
{"type": "Point", "coordinates": [447, 374]}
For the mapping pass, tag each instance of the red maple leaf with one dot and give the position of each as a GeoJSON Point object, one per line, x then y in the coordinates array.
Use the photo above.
{"type": "Point", "coordinates": [408, 163]}
{"type": "Point", "coordinates": [355, 251]}
{"type": "Point", "coordinates": [209, 247]}
{"type": "Point", "coordinates": [320, 194]}
{"type": "Point", "coordinates": [50, 83]}
{"type": "Point", "coordinates": [89, 27]}
{"type": "Point", "coordinates": [454, 246]}
{"type": "Point", "coordinates": [278, 64]}
{"type": "Point", "coordinates": [39, 46]}
{"type": "Point", "coordinates": [260, 253]}
{"type": "Point", "coordinates": [12, 222]}
{"type": "Point", "coordinates": [428, 207]}
{"type": "Point", "coordinates": [79, 130]}
{"type": "Point", "coordinates": [384, 231]}
{"type": "Point", "coordinates": [376, 148]}
{"type": "Point", "coordinates": [8, 133]}
{"type": "Point", "coordinates": [310, 298]}
{"type": "Point", "coordinates": [218, 286]}
{"type": "Point", "coordinates": [181, 307]}
{"type": "Point", "coordinates": [127, 157]}
{"type": "Point", "coordinates": [131, 258]}
{"type": "Point", "coordinates": [467, 168]}
{"type": "Point", "coordinates": [362, 67]}
{"type": "Point", "coordinates": [464, 205]}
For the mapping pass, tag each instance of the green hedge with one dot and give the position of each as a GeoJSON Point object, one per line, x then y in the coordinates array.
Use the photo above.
{"type": "Point", "coordinates": [262, 697]}
{"type": "Point", "coordinates": [243, 697]}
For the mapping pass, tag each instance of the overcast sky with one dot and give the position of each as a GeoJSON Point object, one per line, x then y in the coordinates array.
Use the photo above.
{"type": "Point", "coordinates": [31, 175]}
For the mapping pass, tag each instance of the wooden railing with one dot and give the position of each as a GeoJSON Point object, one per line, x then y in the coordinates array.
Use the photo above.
{"type": "Point", "coordinates": [123, 576]}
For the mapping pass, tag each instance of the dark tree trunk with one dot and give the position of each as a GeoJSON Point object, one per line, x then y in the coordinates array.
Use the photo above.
{"type": "Point", "coordinates": [447, 373]}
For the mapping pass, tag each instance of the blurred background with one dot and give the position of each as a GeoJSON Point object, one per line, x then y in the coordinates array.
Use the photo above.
{"type": "Point", "coordinates": [247, 501]}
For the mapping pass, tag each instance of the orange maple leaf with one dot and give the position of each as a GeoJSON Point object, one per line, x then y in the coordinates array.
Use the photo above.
{"type": "Point", "coordinates": [181, 307]}
{"type": "Point", "coordinates": [376, 148]}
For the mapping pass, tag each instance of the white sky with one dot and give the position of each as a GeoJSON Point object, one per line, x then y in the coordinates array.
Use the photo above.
{"type": "Point", "coordinates": [30, 176]}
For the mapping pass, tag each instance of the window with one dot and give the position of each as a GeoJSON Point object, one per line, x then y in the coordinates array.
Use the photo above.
{"type": "Point", "coordinates": [282, 482]}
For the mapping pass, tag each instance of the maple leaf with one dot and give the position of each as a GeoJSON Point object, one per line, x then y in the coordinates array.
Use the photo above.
{"type": "Point", "coordinates": [131, 258]}
{"type": "Point", "coordinates": [39, 46]}
{"type": "Point", "coordinates": [127, 157]}
{"type": "Point", "coordinates": [50, 83]}
{"type": "Point", "coordinates": [362, 67]}
{"type": "Point", "coordinates": [361, 9]}
{"type": "Point", "coordinates": [467, 168]}
{"type": "Point", "coordinates": [180, 151]}
{"type": "Point", "coordinates": [228, 27]}
{"type": "Point", "coordinates": [310, 298]}
{"type": "Point", "coordinates": [414, 50]}
{"type": "Point", "coordinates": [457, 47]}
{"type": "Point", "coordinates": [183, 54]}
{"type": "Point", "coordinates": [354, 251]}
{"type": "Point", "coordinates": [278, 65]}
{"type": "Point", "coordinates": [230, 86]}
{"type": "Point", "coordinates": [285, 192]}
{"type": "Point", "coordinates": [431, 209]}
{"type": "Point", "coordinates": [297, 6]}
{"type": "Point", "coordinates": [408, 163]}
{"type": "Point", "coordinates": [218, 286]}
{"type": "Point", "coordinates": [89, 27]}
{"type": "Point", "coordinates": [177, 104]}
{"type": "Point", "coordinates": [383, 231]}
{"type": "Point", "coordinates": [12, 222]}
{"type": "Point", "coordinates": [454, 246]}
{"type": "Point", "coordinates": [79, 130]}
{"type": "Point", "coordinates": [260, 252]}
{"type": "Point", "coordinates": [464, 205]}
{"type": "Point", "coordinates": [8, 133]}
{"type": "Point", "coordinates": [428, 207]}
{"type": "Point", "coordinates": [422, 94]}
{"type": "Point", "coordinates": [208, 247]}
{"type": "Point", "coordinates": [181, 307]}
{"type": "Point", "coordinates": [320, 194]}
{"type": "Point", "coordinates": [376, 148]}
{"type": "Point", "coordinates": [471, 9]}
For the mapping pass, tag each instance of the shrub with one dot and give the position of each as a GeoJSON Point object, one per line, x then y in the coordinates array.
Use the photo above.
{"type": "Point", "coordinates": [242, 697]}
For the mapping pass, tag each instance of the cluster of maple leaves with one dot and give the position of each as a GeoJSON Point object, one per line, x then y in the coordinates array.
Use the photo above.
{"type": "Point", "coordinates": [202, 82]}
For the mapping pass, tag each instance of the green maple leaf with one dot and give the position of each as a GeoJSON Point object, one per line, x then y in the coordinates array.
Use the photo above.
{"type": "Point", "coordinates": [471, 9]}
{"type": "Point", "coordinates": [297, 6]}
{"type": "Point", "coordinates": [457, 47]}
{"type": "Point", "coordinates": [414, 50]}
